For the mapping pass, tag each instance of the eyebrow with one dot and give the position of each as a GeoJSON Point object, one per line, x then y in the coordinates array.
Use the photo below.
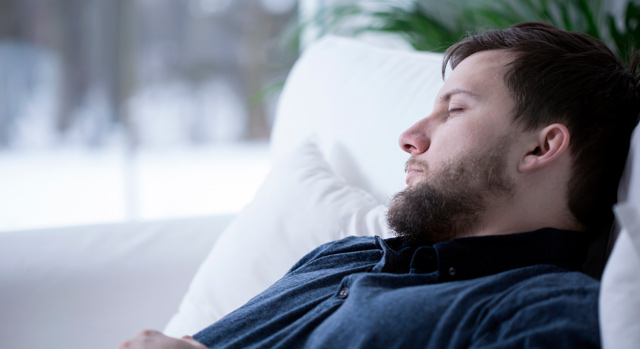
{"type": "Point", "coordinates": [447, 96]}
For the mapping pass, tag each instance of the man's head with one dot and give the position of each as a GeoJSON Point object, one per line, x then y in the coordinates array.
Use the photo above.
{"type": "Point", "coordinates": [553, 109]}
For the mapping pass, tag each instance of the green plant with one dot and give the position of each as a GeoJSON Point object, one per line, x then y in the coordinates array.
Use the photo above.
{"type": "Point", "coordinates": [627, 38]}
{"type": "Point", "coordinates": [434, 25]}
{"type": "Point", "coordinates": [419, 26]}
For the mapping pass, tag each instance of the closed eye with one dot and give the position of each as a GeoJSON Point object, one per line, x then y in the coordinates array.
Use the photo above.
{"type": "Point", "coordinates": [455, 110]}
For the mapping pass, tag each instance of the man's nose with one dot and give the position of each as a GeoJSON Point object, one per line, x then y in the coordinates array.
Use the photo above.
{"type": "Point", "coordinates": [416, 139]}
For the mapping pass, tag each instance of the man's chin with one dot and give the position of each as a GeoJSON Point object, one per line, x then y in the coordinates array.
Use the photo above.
{"type": "Point", "coordinates": [417, 215]}
{"type": "Point", "coordinates": [416, 181]}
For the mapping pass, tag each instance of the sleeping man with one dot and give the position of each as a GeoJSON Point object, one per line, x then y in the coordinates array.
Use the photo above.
{"type": "Point", "coordinates": [510, 178]}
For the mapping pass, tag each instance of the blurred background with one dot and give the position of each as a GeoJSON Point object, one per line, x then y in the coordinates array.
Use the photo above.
{"type": "Point", "coordinates": [135, 109]}
{"type": "Point", "coordinates": [127, 110]}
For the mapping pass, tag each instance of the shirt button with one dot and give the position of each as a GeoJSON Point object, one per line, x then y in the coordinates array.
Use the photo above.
{"type": "Point", "coordinates": [452, 271]}
{"type": "Point", "coordinates": [343, 293]}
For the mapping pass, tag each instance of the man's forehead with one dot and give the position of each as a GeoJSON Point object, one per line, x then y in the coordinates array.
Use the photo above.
{"type": "Point", "coordinates": [477, 75]}
{"type": "Point", "coordinates": [494, 59]}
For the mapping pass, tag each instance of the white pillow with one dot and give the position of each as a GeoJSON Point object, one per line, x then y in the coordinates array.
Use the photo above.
{"type": "Point", "coordinates": [620, 290]}
{"type": "Point", "coordinates": [301, 205]}
{"type": "Point", "coordinates": [357, 98]}
{"type": "Point", "coordinates": [620, 287]}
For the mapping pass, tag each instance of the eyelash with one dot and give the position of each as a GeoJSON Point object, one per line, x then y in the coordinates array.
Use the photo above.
{"type": "Point", "coordinates": [455, 110]}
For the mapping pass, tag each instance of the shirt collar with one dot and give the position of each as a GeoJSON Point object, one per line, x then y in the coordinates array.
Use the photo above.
{"type": "Point", "coordinates": [472, 257]}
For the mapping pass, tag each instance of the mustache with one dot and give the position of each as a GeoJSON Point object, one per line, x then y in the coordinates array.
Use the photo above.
{"type": "Point", "coordinates": [413, 162]}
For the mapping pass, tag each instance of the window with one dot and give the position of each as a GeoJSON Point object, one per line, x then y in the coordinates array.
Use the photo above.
{"type": "Point", "coordinates": [142, 109]}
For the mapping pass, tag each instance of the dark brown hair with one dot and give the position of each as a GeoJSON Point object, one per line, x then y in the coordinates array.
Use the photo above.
{"type": "Point", "coordinates": [573, 79]}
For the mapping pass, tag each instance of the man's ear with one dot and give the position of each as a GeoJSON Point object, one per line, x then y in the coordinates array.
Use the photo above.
{"type": "Point", "coordinates": [550, 143]}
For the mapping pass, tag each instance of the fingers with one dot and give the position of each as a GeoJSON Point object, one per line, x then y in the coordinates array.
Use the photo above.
{"type": "Point", "coordinates": [144, 339]}
{"type": "Point", "coordinates": [193, 342]}
{"type": "Point", "coordinates": [157, 340]}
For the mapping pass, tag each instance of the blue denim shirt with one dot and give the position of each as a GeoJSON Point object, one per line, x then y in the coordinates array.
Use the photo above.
{"type": "Point", "coordinates": [488, 292]}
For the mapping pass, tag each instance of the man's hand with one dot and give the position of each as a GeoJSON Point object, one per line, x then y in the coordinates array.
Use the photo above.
{"type": "Point", "coordinates": [148, 339]}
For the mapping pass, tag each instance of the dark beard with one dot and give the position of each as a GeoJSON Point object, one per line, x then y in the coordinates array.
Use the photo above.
{"type": "Point", "coordinates": [451, 203]}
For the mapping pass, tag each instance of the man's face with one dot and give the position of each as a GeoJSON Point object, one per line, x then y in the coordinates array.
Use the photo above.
{"type": "Point", "coordinates": [460, 154]}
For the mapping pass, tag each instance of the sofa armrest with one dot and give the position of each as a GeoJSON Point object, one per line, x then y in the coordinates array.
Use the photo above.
{"type": "Point", "coordinates": [95, 286]}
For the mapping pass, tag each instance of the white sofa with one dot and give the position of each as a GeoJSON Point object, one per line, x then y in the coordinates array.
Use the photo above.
{"type": "Point", "coordinates": [93, 286]}
{"type": "Point", "coordinates": [97, 286]}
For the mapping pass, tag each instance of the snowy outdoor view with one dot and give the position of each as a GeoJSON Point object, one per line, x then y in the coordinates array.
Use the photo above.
{"type": "Point", "coordinates": [113, 111]}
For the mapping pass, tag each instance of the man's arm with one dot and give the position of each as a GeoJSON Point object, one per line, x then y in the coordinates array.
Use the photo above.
{"type": "Point", "coordinates": [149, 339]}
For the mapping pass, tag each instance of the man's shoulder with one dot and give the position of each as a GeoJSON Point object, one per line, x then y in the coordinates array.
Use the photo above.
{"type": "Point", "coordinates": [550, 303]}
{"type": "Point", "coordinates": [542, 283]}
{"type": "Point", "coordinates": [347, 249]}
{"type": "Point", "coordinates": [550, 280]}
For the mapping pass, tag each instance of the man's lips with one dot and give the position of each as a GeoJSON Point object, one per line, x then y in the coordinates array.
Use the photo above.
{"type": "Point", "coordinates": [413, 168]}
{"type": "Point", "coordinates": [412, 172]}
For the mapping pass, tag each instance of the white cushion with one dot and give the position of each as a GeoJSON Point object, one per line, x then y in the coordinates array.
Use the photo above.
{"type": "Point", "coordinates": [355, 99]}
{"type": "Point", "coordinates": [96, 286]}
{"type": "Point", "coordinates": [620, 293]}
{"type": "Point", "coordinates": [629, 189]}
{"type": "Point", "coordinates": [300, 206]}
{"type": "Point", "coordinates": [620, 287]}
